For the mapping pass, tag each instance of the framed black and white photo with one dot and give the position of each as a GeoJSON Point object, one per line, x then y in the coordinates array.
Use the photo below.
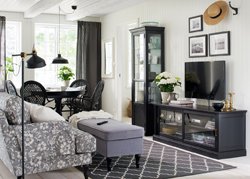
{"type": "Point", "coordinates": [219, 43]}
{"type": "Point", "coordinates": [198, 46]}
{"type": "Point", "coordinates": [195, 23]}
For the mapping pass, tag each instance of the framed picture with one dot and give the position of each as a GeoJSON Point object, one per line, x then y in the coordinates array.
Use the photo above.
{"type": "Point", "coordinates": [198, 46]}
{"type": "Point", "coordinates": [195, 23]}
{"type": "Point", "coordinates": [219, 43]}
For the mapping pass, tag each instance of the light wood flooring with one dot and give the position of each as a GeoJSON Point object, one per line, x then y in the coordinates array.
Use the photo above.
{"type": "Point", "coordinates": [69, 173]}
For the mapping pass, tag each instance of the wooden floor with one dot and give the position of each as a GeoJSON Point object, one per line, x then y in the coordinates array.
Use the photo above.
{"type": "Point", "coordinates": [69, 173]}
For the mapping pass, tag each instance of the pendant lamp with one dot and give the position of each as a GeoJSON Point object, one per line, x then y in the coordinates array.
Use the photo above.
{"type": "Point", "coordinates": [59, 59]}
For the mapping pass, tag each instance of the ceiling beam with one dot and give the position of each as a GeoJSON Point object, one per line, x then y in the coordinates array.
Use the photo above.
{"type": "Point", "coordinates": [40, 7]}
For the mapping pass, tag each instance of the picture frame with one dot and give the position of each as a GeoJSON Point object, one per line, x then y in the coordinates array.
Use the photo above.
{"type": "Point", "coordinates": [198, 46]}
{"type": "Point", "coordinates": [195, 23]}
{"type": "Point", "coordinates": [108, 58]}
{"type": "Point", "coordinates": [219, 43]}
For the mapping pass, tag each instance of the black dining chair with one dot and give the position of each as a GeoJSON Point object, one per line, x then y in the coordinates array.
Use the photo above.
{"type": "Point", "coordinates": [34, 92]}
{"type": "Point", "coordinates": [10, 88]}
{"type": "Point", "coordinates": [92, 103]}
{"type": "Point", "coordinates": [68, 101]}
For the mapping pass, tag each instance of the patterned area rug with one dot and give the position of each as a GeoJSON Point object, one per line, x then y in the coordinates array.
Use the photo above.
{"type": "Point", "coordinates": [157, 161]}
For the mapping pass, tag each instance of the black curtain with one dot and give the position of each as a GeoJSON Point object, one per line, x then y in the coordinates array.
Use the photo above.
{"type": "Point", "coordinates": [2, 51]}
{"type": "Point", "coordinates": [88, 58]}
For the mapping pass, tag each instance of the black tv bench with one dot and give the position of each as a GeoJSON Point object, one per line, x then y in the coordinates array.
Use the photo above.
{"type": "Point", "coordinates": [202, 130]}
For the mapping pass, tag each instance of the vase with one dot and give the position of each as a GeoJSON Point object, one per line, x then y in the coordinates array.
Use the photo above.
{"type": "Point", "coordinates": [166, 97]}
{"type": "Point", "coordinates": [66, 83]}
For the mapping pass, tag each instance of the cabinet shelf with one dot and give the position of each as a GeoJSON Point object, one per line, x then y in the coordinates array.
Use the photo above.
{"type": "Point", "coordinates": [191, 128]}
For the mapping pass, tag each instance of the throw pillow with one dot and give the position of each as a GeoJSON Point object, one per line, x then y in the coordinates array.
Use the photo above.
{"type": "Point", "coordinates": [40, 113]}
{"type": "Point", "coordinates": [3, 98]}
{"type": "Point", "coordinates": [13, 111]}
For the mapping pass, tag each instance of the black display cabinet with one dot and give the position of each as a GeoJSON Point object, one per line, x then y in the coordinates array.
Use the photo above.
{"type": "Point", "coordinates": [147, 62]}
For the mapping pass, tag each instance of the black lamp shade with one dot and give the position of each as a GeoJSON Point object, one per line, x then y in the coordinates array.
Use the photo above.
{"type": "Point", "coordinates": [35, 62]}
{"type": "Point", "coordinates": [59, 59]}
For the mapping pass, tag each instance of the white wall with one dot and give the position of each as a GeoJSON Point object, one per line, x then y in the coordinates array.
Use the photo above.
{"type": "Point", "coordinates": [173, 15]}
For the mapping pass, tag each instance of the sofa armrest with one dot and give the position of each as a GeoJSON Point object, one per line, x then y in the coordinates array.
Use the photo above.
{"type": "Point", "coordinates": [85, 142]}
{"type": "Point", "coordinates": [47, 139]}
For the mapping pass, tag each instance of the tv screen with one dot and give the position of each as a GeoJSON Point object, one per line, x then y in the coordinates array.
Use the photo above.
{"type": "Point", "coordinates": [205, 80]}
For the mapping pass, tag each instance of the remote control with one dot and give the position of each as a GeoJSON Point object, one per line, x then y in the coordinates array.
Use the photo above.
{"type": "Point", "coordinates": [101, 123]}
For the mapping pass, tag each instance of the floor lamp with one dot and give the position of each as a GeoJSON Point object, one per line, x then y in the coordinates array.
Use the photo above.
{"type": "Point", "coordinates": [34, 62]}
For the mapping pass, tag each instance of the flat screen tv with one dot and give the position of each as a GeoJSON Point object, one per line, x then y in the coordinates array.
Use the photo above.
{"type": "Point", "coordinates": [205, 80]}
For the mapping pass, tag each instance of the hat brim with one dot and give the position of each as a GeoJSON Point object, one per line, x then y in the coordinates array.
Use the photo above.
{"type": "Point", "coordinates": [224, 11]}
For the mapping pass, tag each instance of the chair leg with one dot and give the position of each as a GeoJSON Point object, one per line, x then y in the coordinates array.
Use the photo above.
{"type": "Point", "coordinates": [137, 159]}
{"type": "Point", "coordinates": [85, 171]}
{"type": "Point", "coordinates": [108, 163]}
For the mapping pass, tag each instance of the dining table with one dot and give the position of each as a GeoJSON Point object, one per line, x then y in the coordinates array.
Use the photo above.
{"type": "Point", "coordinates": [59, 93]}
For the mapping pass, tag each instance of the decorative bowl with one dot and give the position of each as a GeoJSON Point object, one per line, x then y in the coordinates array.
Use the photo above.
{"type": "Point", "coordinates": [218, 106]}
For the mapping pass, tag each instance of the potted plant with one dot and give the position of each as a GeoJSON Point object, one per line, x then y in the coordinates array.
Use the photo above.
{"type": "Point", "coordinates": [65, 74]}
{"type": "Point", "coordinates": [166, 82]}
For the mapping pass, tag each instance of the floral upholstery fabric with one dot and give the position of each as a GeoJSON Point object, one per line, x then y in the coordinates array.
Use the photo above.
{"type": "Point", "coordinates": [11, 105]}
{"type": "Point", "coordinates": [3, 99]}
{"type": "Point", "coordinates": [3, 150]}
{"type": "Point", "coordinates": [46, 139]}
{"type": "Point", "coordinates": [85, 142]}
{"type": "Point", "coordinates": [13, 111]}
{"type": "Point", "coordinates": [40, 140]}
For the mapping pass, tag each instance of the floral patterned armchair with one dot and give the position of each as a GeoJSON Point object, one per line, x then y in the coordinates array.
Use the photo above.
{"type": "Point", "coordinates": [49, 145]}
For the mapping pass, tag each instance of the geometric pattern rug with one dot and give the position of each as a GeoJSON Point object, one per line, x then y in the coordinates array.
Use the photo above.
{"type": "Point", "coordinates": [157, 161]}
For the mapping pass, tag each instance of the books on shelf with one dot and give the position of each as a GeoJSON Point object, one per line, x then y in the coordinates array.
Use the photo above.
{"type": "Point", "coordinates": [181, 102]}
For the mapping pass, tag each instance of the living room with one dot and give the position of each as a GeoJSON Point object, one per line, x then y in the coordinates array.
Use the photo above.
{"type": "Point", "coordinates": [174, 16]}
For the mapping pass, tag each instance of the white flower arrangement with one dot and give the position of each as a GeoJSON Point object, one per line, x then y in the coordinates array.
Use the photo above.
{"type": "Point", "coordinates": [167, 81]}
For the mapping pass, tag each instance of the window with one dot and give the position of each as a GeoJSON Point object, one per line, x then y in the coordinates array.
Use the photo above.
{"type": "Point", "coordinates": [107, 64]}
{"type": "Point", "coordinates": [13, 46]}
{"type": "Point", "coordinates": [47, 46]}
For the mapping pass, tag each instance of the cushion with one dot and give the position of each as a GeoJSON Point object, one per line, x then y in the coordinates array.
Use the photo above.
{"type": "Point", "coordinates": [13, 111]}
{"type": "Point", "coordinates": [113, 130]}
{"type": "Point", "coordinates": [3, 98]}
{"type": "Point", "coordinates": [40, 113]}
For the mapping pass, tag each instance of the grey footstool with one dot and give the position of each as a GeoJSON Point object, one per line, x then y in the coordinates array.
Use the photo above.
{"type": "Point", "coordinates": [115, 138]}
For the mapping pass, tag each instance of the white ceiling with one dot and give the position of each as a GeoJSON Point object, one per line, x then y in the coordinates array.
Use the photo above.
{"type": "Point", "coordinates": [85, 8]}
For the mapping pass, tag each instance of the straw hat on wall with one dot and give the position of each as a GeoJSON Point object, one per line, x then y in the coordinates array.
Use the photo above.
{"type": "Point", "coordinates": [215, 13]}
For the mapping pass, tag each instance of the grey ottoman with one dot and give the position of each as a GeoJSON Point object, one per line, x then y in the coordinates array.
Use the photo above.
{"type": "Point", "coordinates": [115, 138]}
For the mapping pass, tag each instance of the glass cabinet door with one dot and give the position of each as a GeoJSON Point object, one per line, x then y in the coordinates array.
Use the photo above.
{"type": "Point", "coordinates": [139, 56]}
{"type": "Point", "coordinates": [139, 91]}
{"type": "Point", "coordinates": [154, 55]}
{"type": "Point", "coordinates": [171, 123]}
{"type": "Point", "coordinates": [147, 61]}
{"type": "Point", "coordinates": [200, 129]}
